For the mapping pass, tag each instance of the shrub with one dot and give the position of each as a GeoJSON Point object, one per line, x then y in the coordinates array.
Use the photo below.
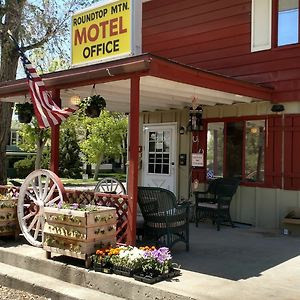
{"type": "Point", "coordinates": [24, 167]}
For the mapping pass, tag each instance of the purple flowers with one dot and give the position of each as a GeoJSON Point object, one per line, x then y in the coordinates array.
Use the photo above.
{"type": "Point", "coordinates": [158, 259]}
{"type": "Point", "coordinates": [161, 255]}
{"type": "Point", "coordinates": [74, 206]}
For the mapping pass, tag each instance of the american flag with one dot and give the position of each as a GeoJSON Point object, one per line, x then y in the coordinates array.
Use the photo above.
{"type": "Point", "coordinates": [47, 112]}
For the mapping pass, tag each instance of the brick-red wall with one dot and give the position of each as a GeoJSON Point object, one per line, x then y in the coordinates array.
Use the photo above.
{"type": "Point", "coordinates": [215, 35]}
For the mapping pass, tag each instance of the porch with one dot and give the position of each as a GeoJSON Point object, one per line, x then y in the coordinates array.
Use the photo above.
{"type": "Point", "coordinates": [234, 263]}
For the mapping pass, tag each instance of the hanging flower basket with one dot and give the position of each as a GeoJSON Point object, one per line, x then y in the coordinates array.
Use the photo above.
{"type": "Point", "coordinates": [25, 112]}
{"type": "Point", "coordinates": [93, 105]}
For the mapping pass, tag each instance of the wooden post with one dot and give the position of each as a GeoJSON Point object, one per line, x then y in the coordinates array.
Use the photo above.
{"type": "Point", "coordinates": [54, 161]}
{"type": "Point", "coordinates": [133, 158]}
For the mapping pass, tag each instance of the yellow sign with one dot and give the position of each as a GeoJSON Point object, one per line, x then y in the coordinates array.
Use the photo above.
{"type": "Point", "coordinates": [105, 32]}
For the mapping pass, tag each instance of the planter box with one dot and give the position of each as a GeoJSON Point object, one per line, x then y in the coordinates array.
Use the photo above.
{"type": "Point", "coordinates": [99, 268]}
{"type": "Point", "coordinates": [151, 280]}
{"type": "Point", "coordinates": [124, 271]}
{"type": "Point", "coordinates": [291, 223]}
{"type": "Point", "coordinates": [9, 225]}
{"type": "Point", "coordinates": [78, 233]}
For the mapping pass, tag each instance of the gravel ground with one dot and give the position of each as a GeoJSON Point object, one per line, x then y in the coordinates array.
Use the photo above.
{"type": "Point", "coordinates": [8, 293]}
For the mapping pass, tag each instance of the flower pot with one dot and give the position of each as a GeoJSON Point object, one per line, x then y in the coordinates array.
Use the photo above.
{"type": "Point", "coordinates": [25, 117]}
{"type": "Point", "coordinates": [150, 278]}
{"type": "Point", "coordinates": [124, 271]}
{"type": "Point", "coordinates": [102, 269]}
{"type": "Point", "coordinates": [25, 111]}
{"type": "Point", "coordinates": [92, 111]}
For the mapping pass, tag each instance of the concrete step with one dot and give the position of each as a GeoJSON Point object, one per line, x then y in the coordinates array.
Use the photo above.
{"type": "Point", "coordinates": [25, 266]}
{"type": "Point", "coordinates": [47, 286]}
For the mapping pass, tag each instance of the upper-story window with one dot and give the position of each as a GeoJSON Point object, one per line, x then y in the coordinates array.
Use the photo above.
{"type": "Point", "coordinates": [288, 22]}
{"type": "Point", "coordinates": [285, 27]}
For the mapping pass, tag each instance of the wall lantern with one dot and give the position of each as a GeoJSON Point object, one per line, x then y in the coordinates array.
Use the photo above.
{"type": "Point", "coordinates": [195, 119]}
{"type": "Point", "coordinates": [182, 130]}
{"type": "Point", "coordinates": [277, 108]}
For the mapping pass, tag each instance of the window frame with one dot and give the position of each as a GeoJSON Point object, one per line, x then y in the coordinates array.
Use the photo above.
{"type": "Point", "coordinates": [243, 119]}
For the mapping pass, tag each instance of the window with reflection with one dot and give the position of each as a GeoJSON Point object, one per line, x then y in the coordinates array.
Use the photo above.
{"type": "Point", "coordinates": [215, 149]}
{"type": "Point", "coordinates": [236, 149]}
{"type": "Point", "coordinates": [254, 150]}
{"type": "Point", "coordinates": [288, 22]}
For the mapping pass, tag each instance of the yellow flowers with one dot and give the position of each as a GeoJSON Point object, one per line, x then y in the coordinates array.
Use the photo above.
{"type": "Point", "coordinates": [148, 248]}
{"type": "Point", "coordinates": [108, 251]}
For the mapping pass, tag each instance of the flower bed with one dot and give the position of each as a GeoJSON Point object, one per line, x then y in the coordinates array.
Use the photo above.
{"type": "Point", "coordinates": [8, 216]}
{"type": "Point", "coordinates": [77, 231]}
{"type": "Point", "coordinates": [146, 264]}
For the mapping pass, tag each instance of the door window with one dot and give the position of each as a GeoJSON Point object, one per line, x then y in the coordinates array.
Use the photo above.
{"type": "Point", "coordinates": [159, 152]}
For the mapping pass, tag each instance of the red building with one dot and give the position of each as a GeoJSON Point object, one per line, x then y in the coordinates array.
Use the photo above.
{"type": "Point", "coordinates": [237, 61]}
{"type": "Point", "coordinates": [253, 41]}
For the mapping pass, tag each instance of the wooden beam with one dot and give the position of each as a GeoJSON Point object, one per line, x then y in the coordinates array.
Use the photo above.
{"type": "Point", "coordinates": [54, 162]}
{"type": "Point", "coordinates": [133, 158]}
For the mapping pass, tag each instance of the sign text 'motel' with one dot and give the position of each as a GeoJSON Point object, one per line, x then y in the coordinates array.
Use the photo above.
{"type": "Point", "coordinates": [106, 32]}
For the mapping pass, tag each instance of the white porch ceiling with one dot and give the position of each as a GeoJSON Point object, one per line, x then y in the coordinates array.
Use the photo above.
{"type": "Point", "coordinates": [155, 94]}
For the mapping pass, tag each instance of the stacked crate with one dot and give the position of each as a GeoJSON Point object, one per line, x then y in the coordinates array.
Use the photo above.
{"type": "Point", "coordinates": [78, 233]}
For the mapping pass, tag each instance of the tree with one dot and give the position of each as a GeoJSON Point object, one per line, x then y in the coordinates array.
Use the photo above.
{"type": "Point", "coordinates": [105, 138]}
{"type": "Point", "coordinates": [70, 163]}
{"type": "Point", "coordinates": [33, 24]}
{"type": "Point", "coordinates": [34, 139]}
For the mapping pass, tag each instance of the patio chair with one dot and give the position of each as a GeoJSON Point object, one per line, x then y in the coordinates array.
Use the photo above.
{"type": "Point", "coordinates": [214, 203]}
{"type": "Point", "coordinates": [164, 220]}
{"type": "Point", "coordinates": [210, 194]}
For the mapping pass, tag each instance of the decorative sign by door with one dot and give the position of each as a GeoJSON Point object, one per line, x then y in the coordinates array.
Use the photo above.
{"type": "Point", "coordinates": [198, 159]}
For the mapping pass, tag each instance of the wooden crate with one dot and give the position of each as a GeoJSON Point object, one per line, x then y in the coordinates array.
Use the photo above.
{"type": "Point", "coordinates": [9, 225]}
{"type": "Point", "coordinates": [78, 233]}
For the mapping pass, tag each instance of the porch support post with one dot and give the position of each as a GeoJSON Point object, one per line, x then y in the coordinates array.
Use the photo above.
{"type": "Point", "coordinates": [54, 161]}
{"type": "Point", "coordinates": [133, 158]}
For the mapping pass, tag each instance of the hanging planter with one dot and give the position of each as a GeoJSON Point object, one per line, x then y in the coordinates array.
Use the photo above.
{"type": "Point", "coordinates": [25, 112]}
{"type": "Point", "coordinates": [93, 105]}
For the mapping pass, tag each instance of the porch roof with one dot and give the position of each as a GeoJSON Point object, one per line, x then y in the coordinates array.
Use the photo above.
{"type": "Point", "coordinates": [164, 84]}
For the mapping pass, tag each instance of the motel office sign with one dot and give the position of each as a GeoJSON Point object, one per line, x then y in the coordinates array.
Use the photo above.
{"type": "Point", "coordinates": [107, 31]}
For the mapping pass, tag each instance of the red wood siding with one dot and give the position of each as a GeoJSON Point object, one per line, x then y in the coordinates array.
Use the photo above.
{"type": "Point", "coordinates": [291, 152]}
{"type": "Point", "coordinates": [215, 36]}
{"type": "Point", "coordinates": [273, 152]}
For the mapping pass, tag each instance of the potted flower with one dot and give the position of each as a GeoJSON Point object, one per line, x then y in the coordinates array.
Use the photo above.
{"type": "Point", "coordinates": [102, 259]}
{"type": "Point", "coordinates": [25, 112]}
{"type": "Point", "coordinates": [128, 261]}
{"type": "Point", "coordinates": [156, 265]}
{"type": "Point", "coordinates": [93, 105]}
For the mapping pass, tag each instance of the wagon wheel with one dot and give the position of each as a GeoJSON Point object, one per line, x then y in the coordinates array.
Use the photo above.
{"type": "Point", "coordinates": [110, 185]}
{"type": "Point", "coordinates": [41, 188]}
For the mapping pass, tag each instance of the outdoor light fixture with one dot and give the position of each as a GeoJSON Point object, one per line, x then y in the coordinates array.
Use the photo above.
{"type": "Point", "coordinates": [181, 130]}
{"type": "Point", "coordinates": [277, 108]}
{"type": "Point", "coordinates": [75, 100]}
{"type": "Point", "coordinates": [195, 119]}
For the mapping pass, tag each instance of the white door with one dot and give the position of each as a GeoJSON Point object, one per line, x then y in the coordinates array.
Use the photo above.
{"type": "Point", "coordinates": [159, 157]}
